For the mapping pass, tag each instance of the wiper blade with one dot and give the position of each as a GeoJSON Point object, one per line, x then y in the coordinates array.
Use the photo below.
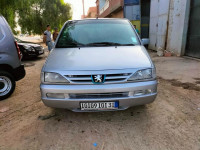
{"type": "Point", "coordinates": [104, 43]}
{"type": "Point", "coordinates": [75, 44]}
{"type": "Point", "coordinates": [127, 44]}
{"type": "Point", "coordinates": [109, 44]}
{"type": "Point", "coordinates": [71, 44]}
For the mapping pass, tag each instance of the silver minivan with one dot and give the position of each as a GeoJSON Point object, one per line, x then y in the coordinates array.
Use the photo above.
{"type": "Point", "coordinates": [98, 65]}
{"type": "Point", "coordinates": [11, 69]}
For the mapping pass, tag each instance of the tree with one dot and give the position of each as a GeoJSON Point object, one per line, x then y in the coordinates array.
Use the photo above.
{"type": "Point", "coordinates": [34, 15]}
{"type": "Point", "coordinates": [7, 9]}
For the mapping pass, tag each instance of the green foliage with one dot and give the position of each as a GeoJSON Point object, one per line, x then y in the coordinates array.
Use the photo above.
{"type": "Point", "coordinates": [7, 9]}
{"type": "Point", "coordinates": [34, 15]}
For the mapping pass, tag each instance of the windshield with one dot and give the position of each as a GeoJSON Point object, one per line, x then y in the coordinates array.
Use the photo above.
{"type": "Point", "coordinates": [97, 33]}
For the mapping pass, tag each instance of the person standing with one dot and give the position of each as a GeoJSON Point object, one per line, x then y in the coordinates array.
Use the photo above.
{"type": "Point", "coordinates": [47, 38]}
{"type": "Point", "coordinates": [55, 34]}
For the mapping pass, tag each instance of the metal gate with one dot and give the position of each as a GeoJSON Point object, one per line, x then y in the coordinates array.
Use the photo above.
{"type": "Point", "coordinates": [193, 38]}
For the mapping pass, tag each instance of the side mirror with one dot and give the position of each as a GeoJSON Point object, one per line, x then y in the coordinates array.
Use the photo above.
{"type": "Point", "coordinates": [145, 41]}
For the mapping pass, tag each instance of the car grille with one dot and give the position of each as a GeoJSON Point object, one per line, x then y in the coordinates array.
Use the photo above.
{"type": "Point", "coordinates": [110, 78]}
{"type": "Point", "coordinates": [99, 95]}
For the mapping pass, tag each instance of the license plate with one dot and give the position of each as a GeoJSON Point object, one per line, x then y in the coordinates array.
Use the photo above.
{"type": "Point", "coordinates": [99, 105]}
{"type": "Point", "coordinates": [40, 52]}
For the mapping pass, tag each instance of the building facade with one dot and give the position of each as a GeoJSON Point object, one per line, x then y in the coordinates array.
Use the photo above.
{"type": "Point", "coordinates": [173, 25]}
{"type": "Point", "coordinates": [137, 11]}
{"type": "Point", "coordinates": [92, 12]}
{"type": "Point", "coordinates": [110, 8]}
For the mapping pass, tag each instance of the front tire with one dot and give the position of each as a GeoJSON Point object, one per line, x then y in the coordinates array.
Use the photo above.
{"type": "Point", "coordinates": [7, 84]}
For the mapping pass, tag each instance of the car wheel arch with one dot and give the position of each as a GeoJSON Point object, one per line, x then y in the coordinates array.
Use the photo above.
{"type": "Point", "coordinates": [6, 67]}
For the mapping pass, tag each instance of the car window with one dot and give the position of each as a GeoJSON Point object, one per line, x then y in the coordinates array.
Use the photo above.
{"type": "Point", "coordinates": [97, 32]}
{"type": "Point", "coordinates": [1, 34]}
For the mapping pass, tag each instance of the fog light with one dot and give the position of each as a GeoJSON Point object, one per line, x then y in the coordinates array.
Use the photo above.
{"type": "Point", "coordinates": [142, 92]}
{"type": "Point", "coordinates": [56, 95]}
{"type": "Point", "coordinates": [139, 93]}
{"type": "Point", "coordinates": [148, 91]}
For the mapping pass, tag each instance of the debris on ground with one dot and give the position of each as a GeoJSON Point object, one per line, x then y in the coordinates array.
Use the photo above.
{"type": "Point", "coordinates": [197, 80]}
{"type": "Point", "coordinates": [109, 119]}
{"type": "Point", "coordinates": [160, 52]}
{"type": "Point", "coordinates": [4, 109]}
{"type": "Point", "coordinates": [46, 117]}
{"type": "Point", "coordinates": [167, 53]}
{"type": "Point", "coordinates": [131, 113]}
{"type": "Point", "coordinates": [187, 85]}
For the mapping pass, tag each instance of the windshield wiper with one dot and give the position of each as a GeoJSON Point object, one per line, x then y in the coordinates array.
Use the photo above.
{"type": "Point", "coordinates": [108, 44]}
{"type": "Point", "coordinates": [71, 44]}
{"type": "Point", "coordinates": [127, 44]}
{"type": "Point", "coordinates": [76, 44]}
{"type": "Point", "coordinates": [103, 44]}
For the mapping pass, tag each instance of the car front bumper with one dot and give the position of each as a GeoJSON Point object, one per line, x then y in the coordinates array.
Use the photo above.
{"type": "Point", "coordinates": [74, 104]}
{"type": "Point", "coordinates": [40, 52]}
{"type": "Point", "coordinates": [30, 54]}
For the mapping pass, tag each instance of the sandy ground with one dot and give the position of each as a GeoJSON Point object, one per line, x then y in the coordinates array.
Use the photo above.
{"type": "Point", "coordinates": [171, 122]}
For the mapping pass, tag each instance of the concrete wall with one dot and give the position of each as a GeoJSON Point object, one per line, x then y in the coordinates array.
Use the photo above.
{"type": "Point", "coordinates": [168, 25]}
{"type": "Point", "coordinates": [177, 23]}
{"type": "Point", "coordinates": [158, 23]}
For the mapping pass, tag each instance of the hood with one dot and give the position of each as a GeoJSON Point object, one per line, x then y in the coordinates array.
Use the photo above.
{"type": "Point", "coordinates": [97, 58]}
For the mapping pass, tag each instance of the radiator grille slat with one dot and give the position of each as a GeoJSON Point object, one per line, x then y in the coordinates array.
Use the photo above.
{"type": "Point", "coordinates": [110, 78]}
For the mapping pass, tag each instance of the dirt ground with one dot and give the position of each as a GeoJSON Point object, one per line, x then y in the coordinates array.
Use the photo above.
{"type": "Point", "coordinates": [171, 122]}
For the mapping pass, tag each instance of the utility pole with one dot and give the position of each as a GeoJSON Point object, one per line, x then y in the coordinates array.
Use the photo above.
{"type": "Point", "coordinates": [83, 8]}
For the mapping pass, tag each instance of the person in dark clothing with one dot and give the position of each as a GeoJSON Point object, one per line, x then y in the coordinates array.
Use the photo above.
{"type": "Point", "coordinates": [55, 34]}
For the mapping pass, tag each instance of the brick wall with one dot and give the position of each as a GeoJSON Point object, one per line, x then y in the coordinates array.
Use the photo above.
{"type": "Point", "coordinates": [113, 10]}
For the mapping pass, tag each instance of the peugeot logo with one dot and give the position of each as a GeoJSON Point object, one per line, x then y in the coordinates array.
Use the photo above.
{"type": "Point", "coordinates": [98, 79]}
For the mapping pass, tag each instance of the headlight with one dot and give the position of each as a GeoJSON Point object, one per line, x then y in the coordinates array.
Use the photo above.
{"type": "Point", "coordinates": [143, 75]}
{"type": "Point", "coordinates": [53, 78]}
{"type": "Point", "coordinates": [29, 48]}
{"type": "Point", "coordinates": [32, 49]}
{"type": "Point", "coordinates": [26, 46]}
